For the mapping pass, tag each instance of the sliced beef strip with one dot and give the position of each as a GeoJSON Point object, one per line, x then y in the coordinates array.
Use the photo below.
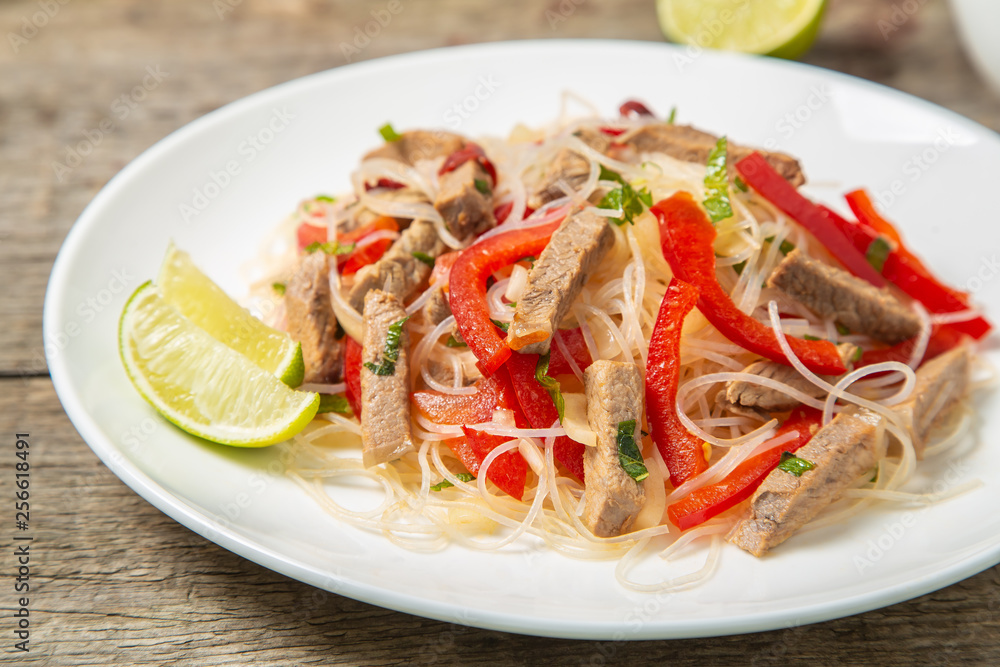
{"type": "Point", "coordinates": [689, 144]}
{"type": "Point", "coordinates": [575, 250]}
{"type": "Point", "coordinates": [398, 271]}
{"type": "Point", "coordinates": [842, 451]}
{"type": "Point", "coordinates": [467, 211]}
{"type": "Point", "coordinates": [417, 145]}
{"type": "Point", "coordinates": [385, 399]}
{"type": "Point", "coordinates": [568, 167]}
{"type": "Point", "coordinates": [834, 293]}
{"type": "Point", "coordinates": [941, 383]}
{"type": "Point", "coordinates": [613, 499]}
{"type": "Point", "coordinates": [437, 309]}
{"type": "Point", "coordinates": [745, 394]}
{"type": "Point", "coordinates": [311, 321]}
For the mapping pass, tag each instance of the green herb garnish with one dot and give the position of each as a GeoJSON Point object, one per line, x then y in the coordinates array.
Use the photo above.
{"type": "Point", "coordinates": [785, 247]}
{"type": "Point", "coordinates": [530, 259]}
{"type": "Point", "coordinates": [878, 252]}
{"type": "Point", "coordinates": [550, 384]}
{"type": "Point", "coordinates": [856, 357]}
{"type": "Point", "coordinates": [739, 266]}
{"type": "Point", "coordinates": [279, 288]}
{"type": "Point", "coordinates": [673, 115]}
{"type": "Point", "coordinates": [811, 337]}
{"type": "Point", "coordinates": [717, 184]}
{"type": "Point", "coordinates": [424, 257]}
{"type": "Point", "coordinates": [482, 186]}
{"type": "Point", "coordinates": [387, 366]}
{"type": "Point", "coordinates": [388, 133]}
{"type": "Point", "coordinates": [331, 248]}
{"type": "Point", "coordinates": [334, 403]}
{"type": "Point", "coordinates": [455, 342]}
{"type": "Point", "coordinates": [503, 326]}
{"type": "Point", "coordinates": [741, 184]}
{"type": "Point", "coordinates": [445, 484]}
{"type": "Point", "coordinates": [628, 452]}
{"type": "Point", "coordinates": [625, 199]}
{"type": "Point", "coordinates": [326, 198]}
{"type": "Point", "coordinates": [792, 464]}
{"type": "Point", "coordinates": [842, 330]}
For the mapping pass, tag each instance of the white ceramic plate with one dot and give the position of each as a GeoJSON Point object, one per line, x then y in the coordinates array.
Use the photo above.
{"type": "Point", "coordinates": [939, 169]}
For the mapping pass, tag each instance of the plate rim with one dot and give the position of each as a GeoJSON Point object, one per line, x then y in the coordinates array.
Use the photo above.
{"type": "Point", "coordinates": [189, 517]}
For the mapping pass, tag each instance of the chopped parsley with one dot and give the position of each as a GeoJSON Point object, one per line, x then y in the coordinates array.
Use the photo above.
{"type": "Point", "coordinates": [792, 464]}
{"type": "Point", "coordinates": [454, 341]}
{"type": "Point", "coordinates": [326, 198]}
{"type": "Point", "coordinates": [628, 452]}
{"type": "Point", "coordinates": [625, 198]}
{"type": "Point", "coordinates": [739, 266]}
{"type": "Point", "coordinates": [424, 257]}
{"type": "Point", "coordinates": [530, 259]}
{"type": "Point", "coordinates": [856, 357]}
{"type": "Point", "coordinates": [673, 115]}
{"type": "Point", "coordinates": [331, 248]}
{"type": "Point", "coordinates": [503, 326]}
{"type": "Point", "coordinates": [482, 186]}
{"type": "Point", "coordinates": [550, 384]}
{"type": "Point", "coordinates": [279, 288]}
{"type": "Point", "coordinates": [334, 403]}
{"type": "Point", "coordinates": [388, 133]}
{"type": "Point", "coordinates": [445, 484]}
{"type": "Point", "coordinates": [717, 184]}
{"type": "Point", "coordinates": [878, 252]}
{"type": "Point", "coordinates": [387, 366]}
{"type": "Point", "coordinates": [811, 337]}
{"type": "Point", "coordinates": [740, 184]}
{"type": "Point", "coordinates": [842, 330]}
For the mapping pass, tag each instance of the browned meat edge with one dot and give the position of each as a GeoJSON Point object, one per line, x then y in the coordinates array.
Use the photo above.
{"type": "Point", "coordinates": [467, 211]}
{"type": "Point", "coordinates": [573, 253]}
{"type": "Point", "coordinates": [941, 383]}
{"type": "Point", "coordinates": [613, 499]}
{"type": "Point", "coordinates": [385, 399]}
{"type": "Point", "coordinates": [417, 145]}
{"type": "Point", "coordinates": [398, 271]}
{"type": "Point", "coordinates": [834, 293]}
{"type": "Point", "coordinates": [568, 167]}
{"type": "Point", "coordinates": [311, 321]}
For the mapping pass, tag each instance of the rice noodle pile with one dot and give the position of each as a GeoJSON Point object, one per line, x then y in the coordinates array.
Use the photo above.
{"type": "Point", "coordinates": [616, 312]}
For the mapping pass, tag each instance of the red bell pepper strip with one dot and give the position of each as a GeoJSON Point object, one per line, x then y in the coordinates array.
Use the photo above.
{"type": "Point", "coordinates": [370, 253]}
{"type": "Point", "coordinates": [308, 233]}
{"type": "Point", "coordinates": [471, 151]}
{"type": "Point", "coordinates": [708, 501]}
{"type": "Point", "coordinates": [905, 270]}
{"type": "Point", "coordinates": [634, 107]}
{"type": "Point", "coordinates": [687, 238]}
{"type": "Point", "coordinates": [442, 268]}
{"type": "Point", "coordinates": [386, 183]}
{"type": "Point", "coordinates": [613, 131]}
{"type": "Point", "coordinates": [508, 471]}
{"type": "Point", "coordinates": [943, 338]}
{"type": "Point", "coordinates": [539, 409]}
{"type": "Point", "coordinates": [493, 391]}
{"type": "Point", "coordinates": [683, 453]}
{"type": "Point", "coordinates": [864, 210]}
{"type": "Point", "coordinates": [577, 348]}
{"type": "Point", "coordinates": [771, 185]}
{"type": "Point", "coordinates": [352, 374]}
{"type": "Point", "coordinates": [467, 288]}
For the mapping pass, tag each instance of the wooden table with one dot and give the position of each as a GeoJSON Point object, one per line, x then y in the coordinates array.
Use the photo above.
{"type": "Point", "coordinates": [117, 582]}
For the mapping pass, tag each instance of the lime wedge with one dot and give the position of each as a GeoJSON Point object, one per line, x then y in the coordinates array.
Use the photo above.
{"type": "Point", "coordinates": [782, 28]}
{"type": "Point", "coordinates": [200, 300]}
{"type": "Point", "coordinates": [201, 385]}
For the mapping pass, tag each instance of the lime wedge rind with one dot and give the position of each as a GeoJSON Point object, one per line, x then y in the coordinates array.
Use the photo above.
{"type": "Point", "coordinates": [196, 297]}
{"type": "Point", "coordinates": [784, 29]}
{"type": "Point", "coordinates": [201, 385]}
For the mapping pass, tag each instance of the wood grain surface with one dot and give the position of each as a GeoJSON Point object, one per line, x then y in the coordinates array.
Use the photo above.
{"type": "Point", "coordinates": [114, 581]}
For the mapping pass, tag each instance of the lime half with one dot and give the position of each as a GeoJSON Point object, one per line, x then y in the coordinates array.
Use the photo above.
{"type": "Point", "coordinates": [201, 385]}
{"type": "Point", "coordinates": [782, 28]}
{"type": "Point", "coordinates": [200, 300]}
